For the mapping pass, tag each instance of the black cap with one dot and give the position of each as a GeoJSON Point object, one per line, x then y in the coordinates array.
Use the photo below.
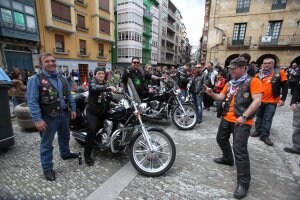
{"type": "Point", "coordinates": [99, 69]}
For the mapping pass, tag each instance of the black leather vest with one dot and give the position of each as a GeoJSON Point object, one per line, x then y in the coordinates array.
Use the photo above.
{"type": "Point", "coordinates": [276, 83]}
{"type": "Point", "coordinates": [98, 102]}
{"type": "Point", "coordinates": [49, 96]}
{"type": "Point", "coordinates": [242, 100]}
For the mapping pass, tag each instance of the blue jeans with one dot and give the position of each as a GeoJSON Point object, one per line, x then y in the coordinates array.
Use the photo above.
{"type": "Point", "coordinates": [264, 118]}
{"type": "Point", "coordinates": [59, 124]}
{"type": "Point", "coordinates": [198, 99]}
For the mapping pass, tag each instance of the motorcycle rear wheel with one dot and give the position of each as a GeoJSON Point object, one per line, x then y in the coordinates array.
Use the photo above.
{"type": "Point", "coordinates": [152, 163]}
{"type": "Point", "coordinates": [182, 121]}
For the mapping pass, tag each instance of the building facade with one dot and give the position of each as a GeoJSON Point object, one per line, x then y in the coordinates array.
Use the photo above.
{"type": "Point", "coordinates": [261, 28]}
{"type": "Point", "coordinates": [171, 33]}
{"type": "Point", "coordinates": [19, 36]}
{"type": "Point", "coordinates": [80, 33]}
{"type": "Point", "coordinates": [136, 31]}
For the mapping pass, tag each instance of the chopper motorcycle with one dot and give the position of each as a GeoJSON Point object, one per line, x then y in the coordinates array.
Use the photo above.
{"type": "Point", "coordinates": [152, 151]}
{"type": "Point", "coordinates": [166, 103]}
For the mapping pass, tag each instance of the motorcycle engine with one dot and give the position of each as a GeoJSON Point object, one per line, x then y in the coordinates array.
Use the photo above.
{"type": "Point", "coordinates": [154, 104]}
{"type": "Point", "coordinates": [107, 126]}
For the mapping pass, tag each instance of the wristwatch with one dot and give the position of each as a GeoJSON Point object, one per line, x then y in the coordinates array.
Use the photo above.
{"type": "Point", "coordinates": [244, 117]}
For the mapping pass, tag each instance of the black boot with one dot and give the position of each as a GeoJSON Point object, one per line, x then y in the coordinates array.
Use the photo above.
{"type": "Point", "coordinates": [241, 190]}
{"type": "Point", "coordinates": [87, 157]}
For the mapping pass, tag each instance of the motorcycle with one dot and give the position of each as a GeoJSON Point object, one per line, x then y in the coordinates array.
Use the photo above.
{"type": "Point", "coordinates": [152, 151]}
{"type": "Point", "coordinates": [166, 103]}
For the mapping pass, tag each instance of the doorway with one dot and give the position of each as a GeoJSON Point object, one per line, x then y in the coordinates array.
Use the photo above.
{"type": "Point", "coordinates": [83, 70]}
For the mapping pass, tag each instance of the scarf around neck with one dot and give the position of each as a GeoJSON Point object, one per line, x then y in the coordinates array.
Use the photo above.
{"type": "Point", "coordinates": [264, 73]}
{"type": "Point", "coordinates": [234, 84]}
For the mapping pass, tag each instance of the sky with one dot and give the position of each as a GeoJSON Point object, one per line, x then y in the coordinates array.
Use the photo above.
{"type": "Point", "coordinates": [192, 12]}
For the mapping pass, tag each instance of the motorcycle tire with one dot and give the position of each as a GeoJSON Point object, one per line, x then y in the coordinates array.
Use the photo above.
{"type": "Point", "coordinates": [155, 163]}
{"type": "Point", "coordinates": [184, 122]}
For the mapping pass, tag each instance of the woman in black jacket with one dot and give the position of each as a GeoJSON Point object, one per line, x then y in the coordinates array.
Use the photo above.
{"type": "Point", "coordinates": [98, 103]}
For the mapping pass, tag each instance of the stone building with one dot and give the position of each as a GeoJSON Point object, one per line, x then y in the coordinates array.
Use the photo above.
{"type": "Point", "coordinates": [259, 27]}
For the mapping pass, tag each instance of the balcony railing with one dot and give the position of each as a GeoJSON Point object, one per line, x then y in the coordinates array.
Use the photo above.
{"type": "Point", "coordinates": [278, 6]}
{"type": "Point", "coordinates": [171, 26]}
{"type": "Point", "coordinates": [61, 51]}
{"type": "Point", "coordinates": [240, 43]}
{"type": "Point", "coordinates": [282, 41]}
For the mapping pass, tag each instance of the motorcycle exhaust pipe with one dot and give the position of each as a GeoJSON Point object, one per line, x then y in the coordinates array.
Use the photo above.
{"type": "Point", "coordinates": [79, 135]}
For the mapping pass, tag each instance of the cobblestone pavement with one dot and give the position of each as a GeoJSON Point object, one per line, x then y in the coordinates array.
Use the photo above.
{"type": "Point", "coordinates": [275, 174]}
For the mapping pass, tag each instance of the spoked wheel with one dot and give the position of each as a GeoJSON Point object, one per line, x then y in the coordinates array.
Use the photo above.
{"type": "Point", "coordinates": [184, 121]}
{"type": "Point", "coordinates": [159, 160]}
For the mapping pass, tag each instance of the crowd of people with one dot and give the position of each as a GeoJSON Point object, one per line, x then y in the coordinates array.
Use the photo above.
{"type": "Point", "coordinates": [239, 92]}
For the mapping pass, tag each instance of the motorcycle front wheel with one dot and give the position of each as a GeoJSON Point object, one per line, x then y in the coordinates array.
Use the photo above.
{"type": "Point", "coordinates": [184, 121]}
{"type": "Point", "coordinates": [156, 162]}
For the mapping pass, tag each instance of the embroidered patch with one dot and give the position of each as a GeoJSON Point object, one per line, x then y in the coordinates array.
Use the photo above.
{"type": "Point", "coordinates": [246, 94]}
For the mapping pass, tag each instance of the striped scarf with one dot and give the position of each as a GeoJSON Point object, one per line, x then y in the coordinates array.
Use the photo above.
{"type": "Point", "coordinates": [234, 84]}
{"type": "Point", "coordinates": [264, 73]}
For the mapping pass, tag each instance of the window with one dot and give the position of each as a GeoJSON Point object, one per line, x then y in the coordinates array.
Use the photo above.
{"type": "Point", "coordinates": [279, 4]}
{"type": "Point", "coordinates": [104, 5]}
{"type": "Point", "coordinates": [31, 23]}
{"type": "Point", "coordinates": [17, 6]}
{"type": "Point", "coordinates": [81, 21]}
{"type": "Point", "coordinates": [29, 9]}
{"type": "Point", "coordinates": [274, 30]}
{"type": "Point", "coordinates": [20, 21]}
{"type": "Point", "coordinates": [242, 6]}
{"type": "Point", "coordinates": [61, 11]}
{"type": "Point", "coordinates": [6, 17]}
{"type": "Point", "coordinates": [239, 31]}
{"type": "Point", "coordinates": [5, 3]}
{"type": "Point", "coordinates": [101, 50]}
{"type": "Point", "coordinates": [82, 45]}
{"type": "Point", "coordinates": [104, 26]}
{"type": "Point", "coordinates": [59, 43]}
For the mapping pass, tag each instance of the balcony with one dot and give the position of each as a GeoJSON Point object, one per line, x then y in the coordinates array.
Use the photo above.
{"type": "Point", "coordinates": [171, 26]}
{"type": "Point", "coordinates": [147, 32]}
{"type": "Point", "coordinates": [283, 41]}
{"type": "Point", "coordinates": [147, 15]}
{"type": "Point", "coordinates": [11, 29]}
{"type": "Point", "coordinates": [172, 14]}
{"type": "Point", "coordinates": [171, 38]}
{"type": "Point", "coordinates": [239, 44]}
{"type": "Point", "coordinates": [81, 3]}
{"type": "Point", "coordinates": [146, 46]}
{"type": "Point", "coordinates": [83, 29]}
{"type": "Point", "coordinates": [83, 54]}
{"type": "Point", "coordinates": [61, 51]}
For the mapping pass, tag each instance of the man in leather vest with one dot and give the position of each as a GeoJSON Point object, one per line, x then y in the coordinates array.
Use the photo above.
{"type": "Point", "coordinates": [98, 103]}
{"type": "Point", "coordinates": [50, 100]}
{"type": "Point", "coordinates": [138, 77]}
{"type": "Point", "coordinates": [242, 97]}
{"type": "Point", "coordinates": [274, 83]}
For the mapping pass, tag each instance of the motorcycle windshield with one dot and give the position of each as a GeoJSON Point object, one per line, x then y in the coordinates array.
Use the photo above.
{"type": "Point", "coordinates": [132, 92]}
{"type": "Point", "coordinates": [170, 82]}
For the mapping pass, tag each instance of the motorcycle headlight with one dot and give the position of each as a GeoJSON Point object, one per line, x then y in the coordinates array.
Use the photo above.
{"type": "Point", "coordinates": [143, 107]}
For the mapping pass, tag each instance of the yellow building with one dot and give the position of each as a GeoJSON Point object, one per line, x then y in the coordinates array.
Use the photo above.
{"type": "Point", "coordinates": [80, 33]}
{"type": "Point", "coordinates": [261, 28]}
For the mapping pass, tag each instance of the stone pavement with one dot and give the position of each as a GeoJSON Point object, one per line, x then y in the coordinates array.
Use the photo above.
{"type": "Point", "coordinates": [275, 174]}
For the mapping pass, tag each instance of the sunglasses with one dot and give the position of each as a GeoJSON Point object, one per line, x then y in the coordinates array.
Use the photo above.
{"type": "Point", "coordinates": [136, 62]}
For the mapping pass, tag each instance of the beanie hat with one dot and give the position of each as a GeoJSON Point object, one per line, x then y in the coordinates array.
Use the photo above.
{"type": "Point", "coordinates": [99, 69]}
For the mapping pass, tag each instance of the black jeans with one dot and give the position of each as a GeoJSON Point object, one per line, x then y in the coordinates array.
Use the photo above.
{"type": "Point", "coordinates": [95, 122]}
{"type": "Point", "coordinates": [240, 143]}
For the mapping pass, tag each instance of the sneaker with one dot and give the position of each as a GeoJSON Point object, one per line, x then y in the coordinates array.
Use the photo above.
{"type": "Point", "coordinates": [49, 175]}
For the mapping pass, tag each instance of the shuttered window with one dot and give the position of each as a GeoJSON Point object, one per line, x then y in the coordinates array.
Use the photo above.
{"type": "Point", "coordinates": [104, 4]}
{"type": "Point", "coordinates": [81, 21]}
{"type": "Point", "coordinates": [61, 11]}
{"type": "Point", "coordinates": [101, 50]}
{"type": "Point", "coordinates": [59, 43]}
{"type": "Point", "coordinates": [104, 26]}
{"type": "Point", "coordinates": [82, 44]}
